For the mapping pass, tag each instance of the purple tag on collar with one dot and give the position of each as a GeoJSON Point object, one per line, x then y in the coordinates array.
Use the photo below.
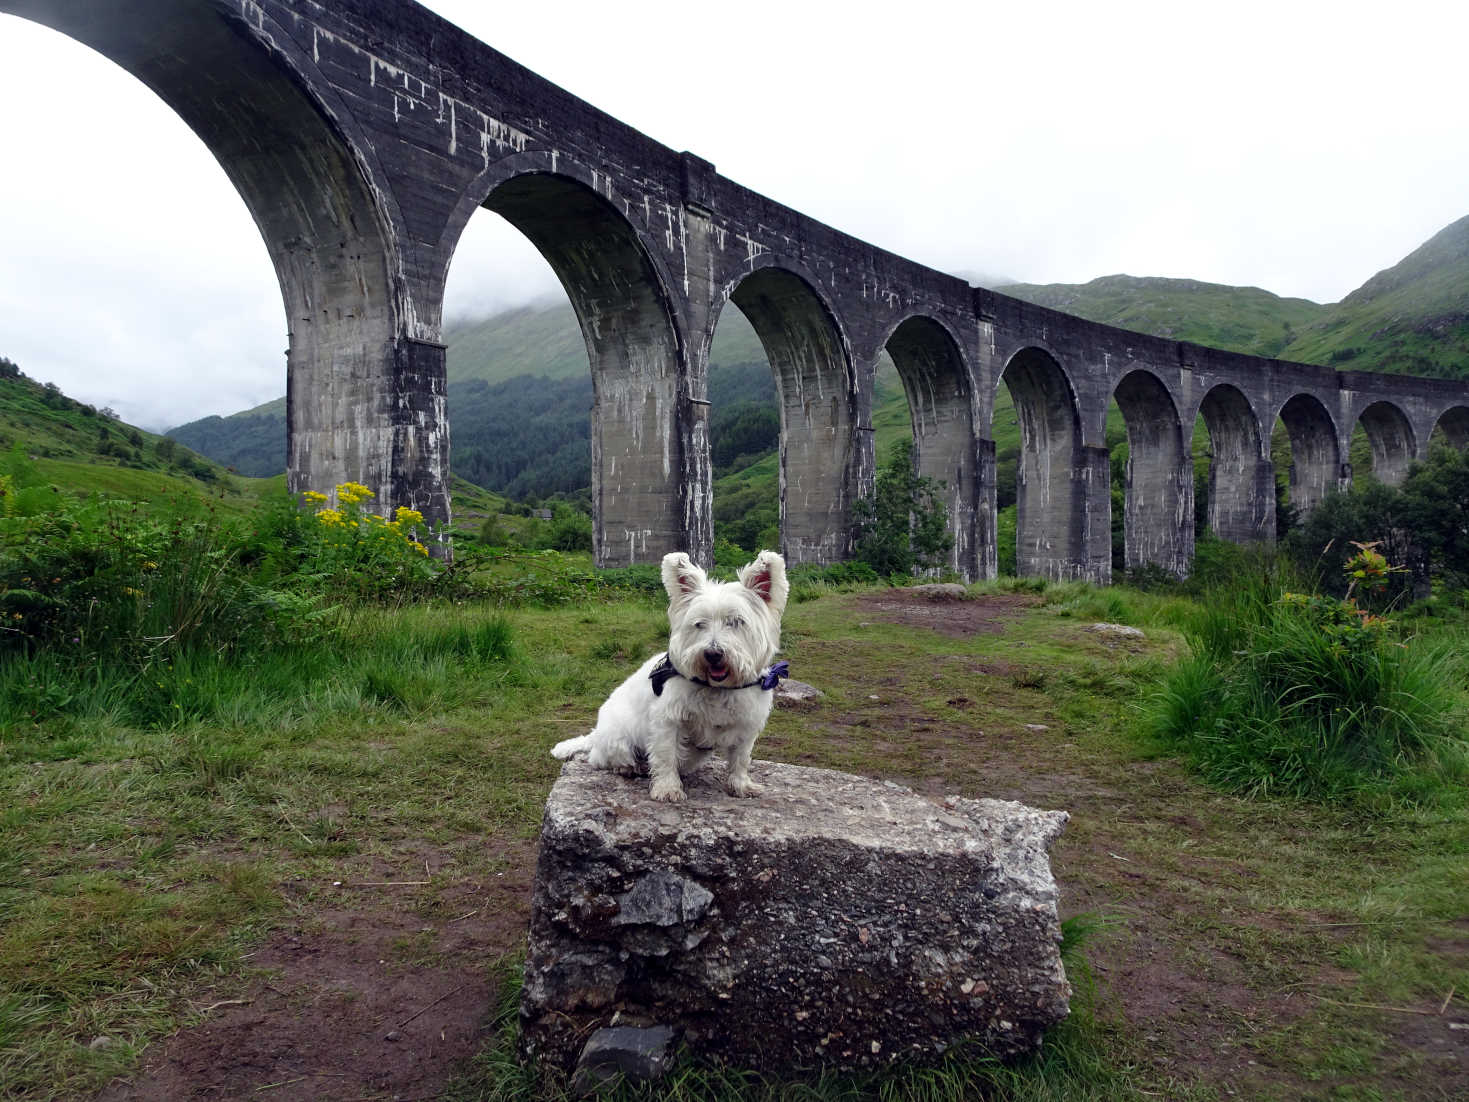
{"type": "Point", "coordinates": [774, 674]}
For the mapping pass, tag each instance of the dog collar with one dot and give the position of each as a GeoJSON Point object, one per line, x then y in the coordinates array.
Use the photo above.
{"type": "Point", "coordinates": [661, 673]}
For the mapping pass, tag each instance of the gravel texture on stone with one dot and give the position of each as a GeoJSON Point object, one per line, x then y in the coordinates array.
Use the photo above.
{"type": "Point", "coordinates": [834, 921]}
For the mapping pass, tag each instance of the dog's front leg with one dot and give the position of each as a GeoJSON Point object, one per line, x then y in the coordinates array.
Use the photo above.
{"type": "Point", "coordinates": [663, 764]}
{"type": "Point", "coordinates": [739, 782]}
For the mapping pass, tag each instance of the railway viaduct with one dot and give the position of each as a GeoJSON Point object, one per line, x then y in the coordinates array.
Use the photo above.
{"type": "Point", "coordinates": [362, 134]}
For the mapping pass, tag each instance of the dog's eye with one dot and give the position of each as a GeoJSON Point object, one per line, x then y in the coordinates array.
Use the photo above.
{"type": "Point", "coordinates": [700, 625]}
{"type": "Point", "coordinates": [734, 623]}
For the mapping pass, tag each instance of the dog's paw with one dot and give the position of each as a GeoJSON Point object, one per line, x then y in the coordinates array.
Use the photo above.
{"type": "Point", "coordinates": [744, 786]}
{"type": "Point", "coordinates": [668, 791]}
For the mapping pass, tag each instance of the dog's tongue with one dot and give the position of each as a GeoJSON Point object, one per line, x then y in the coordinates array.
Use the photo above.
{"type": "Point", "coordinates": [718, 673]}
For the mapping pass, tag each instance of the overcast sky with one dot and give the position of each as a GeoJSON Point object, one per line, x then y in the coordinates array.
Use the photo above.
{"type": "Point", "coordinates": [1295, 146]}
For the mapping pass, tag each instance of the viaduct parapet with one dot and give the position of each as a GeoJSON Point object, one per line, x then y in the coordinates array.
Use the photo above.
{"type": "Point", "coordinates": [362, 134]}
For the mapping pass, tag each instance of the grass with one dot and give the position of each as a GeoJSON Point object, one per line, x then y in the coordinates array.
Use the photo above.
{"type": "Point", "coordinates": [144, 861]}
{"type": "Point", "coordinates": [1310, 696]}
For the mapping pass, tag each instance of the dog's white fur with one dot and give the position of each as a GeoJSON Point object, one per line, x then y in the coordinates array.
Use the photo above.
{"type": "Point", "coordinates": [723, 633]}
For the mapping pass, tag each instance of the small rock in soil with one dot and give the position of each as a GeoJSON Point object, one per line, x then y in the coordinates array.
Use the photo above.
{"type": "Point", "coordinates": [638, 1053]}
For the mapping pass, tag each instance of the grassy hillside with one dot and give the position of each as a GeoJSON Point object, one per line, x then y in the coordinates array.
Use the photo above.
{"type": "Point", "coordinates": [1240, 319]}
{"type": "Point", "coordinates": [539, 339]}
{"type": "Point", "coordinates": [78, 447]}
{"type": "Point", "coordinates": [1412, 318]}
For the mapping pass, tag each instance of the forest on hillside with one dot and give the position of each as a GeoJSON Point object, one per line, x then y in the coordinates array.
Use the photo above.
{"type": "Point", "coordinates": [530, 437]}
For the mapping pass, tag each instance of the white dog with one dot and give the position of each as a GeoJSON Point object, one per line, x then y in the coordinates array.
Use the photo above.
{"type": "Point", "coordinates": [711, 691]}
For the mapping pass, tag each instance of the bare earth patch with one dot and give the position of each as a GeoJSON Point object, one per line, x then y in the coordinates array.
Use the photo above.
{"type": "Point", "coordinates": [362, 999]}
{"type": "Point", "coordinates": [958, 618]}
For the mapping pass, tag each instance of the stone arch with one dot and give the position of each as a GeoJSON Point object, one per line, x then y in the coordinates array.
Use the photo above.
{"type": "Point", "coordinates": [1241, 476]}
{"type": "Point", "coordinates": [1390, 436]}
{"type": "Point", "coordinates": [357, 355]}
{"type": "Point", "coordinates": [822, 459]}
{"type": "Point", "coordinates": [1158, 512]}
{"type": "Point", "coordinates": [1051, 515]}
{"type": "Point", "coordinates": [646, 429]}
{"type": "Point", "coordinates": [1316, 463]}
{"type": "Point", "coordinates": [1455, 425]}
{"type": "Point", "coordinates": [940, 403]}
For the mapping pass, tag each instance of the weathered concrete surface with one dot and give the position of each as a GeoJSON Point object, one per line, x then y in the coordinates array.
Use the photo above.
{"type": "Point", "coordinates": [834, 921]}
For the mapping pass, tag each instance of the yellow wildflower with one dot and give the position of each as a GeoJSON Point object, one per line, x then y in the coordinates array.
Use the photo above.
{"type": "Point", "coordinates": [351, 493]}
{"type": "Point", "coordinates": [330, 516]}
{"type": "Point", "coordinates": [420, 548]}
{"type": "Point", "coordinates": [314, 497]}
{"type": "Point", "coordinates": [408, 516]}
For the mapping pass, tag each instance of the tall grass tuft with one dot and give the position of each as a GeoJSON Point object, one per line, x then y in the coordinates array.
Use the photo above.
{"type": "Point", "coordinates": [1306, 695]}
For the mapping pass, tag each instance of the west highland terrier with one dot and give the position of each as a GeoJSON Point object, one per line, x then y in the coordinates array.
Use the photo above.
{"type": "Point", "coordinates": [712, 690]}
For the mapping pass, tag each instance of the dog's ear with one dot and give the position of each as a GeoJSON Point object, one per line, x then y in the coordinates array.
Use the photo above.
{"type": "Point", "coordinates": [681, 577]}
{"type": "Point", "coordinates": [766, 578]}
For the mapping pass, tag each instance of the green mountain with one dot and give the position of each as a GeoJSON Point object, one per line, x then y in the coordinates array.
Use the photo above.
{"type": "Point", "coordinates": [519, 391]}
{"type": "Point", "coordinates": [539, 339]}
{"type": "Point", "coordinates": [75, 446]}
{"type": "Point", "coordinates": [1412, 318]}
{"type": "Point", "coordinates": [544, 339]}
{"type": "Point", "coordinates": [1241, 319]}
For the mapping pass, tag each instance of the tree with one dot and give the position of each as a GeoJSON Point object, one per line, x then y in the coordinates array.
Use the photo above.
{"type": "Point", "coordinates": [1422, 525]}
{"type": "Point", "coordinates": [905, 525]}
{"type": "Point", "coordinates": [1436, 510]}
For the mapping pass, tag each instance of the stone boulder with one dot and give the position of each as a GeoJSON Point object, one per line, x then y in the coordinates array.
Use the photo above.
{"type": "Point", "coordinates": [832, 922]}
{"type": "Point", "coordinates": [1121, 631]}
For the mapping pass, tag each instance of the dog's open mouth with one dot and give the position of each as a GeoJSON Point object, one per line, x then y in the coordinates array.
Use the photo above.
{"type": "Point", "coordinates": [717, 673]}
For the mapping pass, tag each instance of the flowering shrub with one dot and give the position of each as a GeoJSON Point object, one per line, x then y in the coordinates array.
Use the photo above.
{"type": "Point", "coordinates": [1312, 694]}
{"type": "Point", "coordinates": [349, 549]}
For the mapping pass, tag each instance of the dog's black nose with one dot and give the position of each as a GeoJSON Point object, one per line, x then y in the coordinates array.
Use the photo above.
{"type": "Point", "coordinates": [714, 656]}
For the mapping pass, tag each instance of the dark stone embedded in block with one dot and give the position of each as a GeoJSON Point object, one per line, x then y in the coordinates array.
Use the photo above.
{"type": "Point", "coordinates": [640, 1054]}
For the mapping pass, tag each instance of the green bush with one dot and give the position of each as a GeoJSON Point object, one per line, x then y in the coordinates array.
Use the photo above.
{"type": "Point", "coordinates": [1006, 559]}
{"type": "Point", "coordinates": [905, 525]}
{"type": "Point", "coordinates": [344, 550]}
{"type": "Point", "coordinates": [729, 557]}
{"type": "Point", "coordinates": [108, 578]}
{"type": "Point", "coordinates": [1311, 695]}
